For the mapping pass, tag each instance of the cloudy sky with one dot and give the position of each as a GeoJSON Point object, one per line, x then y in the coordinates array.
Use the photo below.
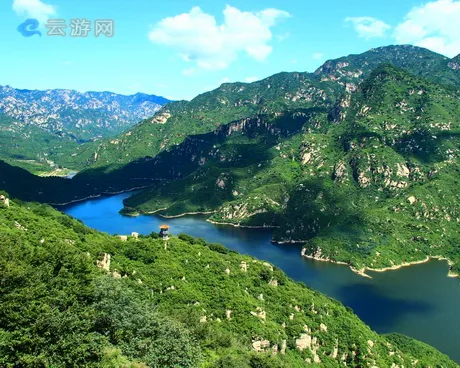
{"type": "Point", "coordinates": [180, 48]}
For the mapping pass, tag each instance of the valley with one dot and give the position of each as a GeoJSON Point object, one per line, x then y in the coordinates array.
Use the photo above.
{"type": "Point", "coordinates": [354, 167]}
{"type": "Point", "coordinates": [418, 301]}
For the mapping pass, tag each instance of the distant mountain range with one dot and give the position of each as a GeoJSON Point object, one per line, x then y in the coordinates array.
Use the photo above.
{"type": "Point", "coordinates": [52, 118]}
{"type": "Point", "coordinates": [82, 116]}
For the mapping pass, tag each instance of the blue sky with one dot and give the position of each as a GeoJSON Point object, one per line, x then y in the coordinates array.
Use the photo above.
{"type": "Point", "coordinates": [179, 48]}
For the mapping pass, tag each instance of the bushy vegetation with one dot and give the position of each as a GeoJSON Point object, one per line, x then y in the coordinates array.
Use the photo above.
{"type": "Point", "coordinates": [191, 304]}
{"type": "Point", "coordinates": [367, 178]}
{"type": "Point", "coordinates": [375, 189]}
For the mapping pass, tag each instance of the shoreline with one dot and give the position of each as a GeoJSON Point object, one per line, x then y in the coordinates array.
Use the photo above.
{"type": "Point", "coordinates": [207, 220]}
{"type": "Point", "coordinates": [186, 214]}
{"type": "Point", "coordinates": [241, 226]}
{"type": "Point", "coordinates": [76, 201]}
{"type": "Point", "coordinates": [414, 263]}
{"type": "Point", "coordinates": [362, 271]}
{"type": "Point", "coordinates": [282, 242]}
{"type": "Point", "coordinates": [95, 196]}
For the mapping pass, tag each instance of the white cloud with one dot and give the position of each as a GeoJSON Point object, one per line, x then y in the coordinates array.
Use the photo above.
{"type": "Point", "coordinates": [198, 38]}
{"type": "Point", "coordinates": [34, 9]}
{"type": "Point", "coordinates": [251, 79]}
{"type": "Point", "coordinates": [318, 56]}
{"type": "Point", "coordinates": [368, 27]}
{"type": "Point", "coordinates": [434, 25]}
{"type": "Point", "coordinates": [283, 36]}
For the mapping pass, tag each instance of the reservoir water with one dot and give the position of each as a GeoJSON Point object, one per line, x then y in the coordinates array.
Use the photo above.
{"type": "Point", "coordinates": [418, 301]}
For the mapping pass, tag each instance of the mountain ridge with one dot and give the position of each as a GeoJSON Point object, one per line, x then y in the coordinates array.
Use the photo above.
{"type": "Point", "coordinates": [274, 94]}
{"type": "Point", "coordinates": [60, 120]}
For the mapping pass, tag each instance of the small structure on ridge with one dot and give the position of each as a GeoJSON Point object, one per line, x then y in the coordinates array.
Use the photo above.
{"type": "Point", "coordinates": [164, 232]}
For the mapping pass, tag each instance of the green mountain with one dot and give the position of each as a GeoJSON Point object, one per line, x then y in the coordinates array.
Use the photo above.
{"type": "Point", "coordinates": [30, 147]}
{"type": "Point", "coordinates": [363, 175]}
{"type": "Point", "coordinates": [271, 96]}
{"type": "Point", "coordinates": [360, 190]}
{"type": "Point", "coordinates": [72, 296]}
{"type": "Point", "coordinates": [421, 62]}
{"type": "Point", "coordinates": [173, 123]}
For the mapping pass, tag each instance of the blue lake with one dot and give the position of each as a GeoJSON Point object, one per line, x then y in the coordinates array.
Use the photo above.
{"type": "Point", "coordinates": [419, 301]}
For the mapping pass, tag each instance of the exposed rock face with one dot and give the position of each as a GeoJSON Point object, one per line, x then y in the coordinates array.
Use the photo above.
{"type": "Point", "coordinates": [243, 210]}
{"type": "Point", "coordinates": [455, 63]}
{"type": "Point", "coordinates": [220, 183]}
{"type": "Point", "coordinates": [105, 262]}
{"type": "Point", "coordinates": [19, 226]}
{"type": "Point", "coordinates": [283, 347]}
{"type": "Point", "coordinates": [228, 314]}
{"type": "Point", "coordinates": [260, 313]}
{"type": "Point", "coordinates": [340, 172]}
{"type": "Point", "coordinates": [273, 282]}
{"type": "Point", "coordinates": [306, 341]}
{"type": "Point", "coordinates": [135, 235]}
{"type": "Point", "coordinates": [4, 201]}
{"type": "Point", "coordinates": [261, 346]}
{"type": "Point", "coordinates": [306, 158]}
{"type": "Point", "coordinates": [161, 118]}
{"type": "Point", "coordinates": [123, 237]}
{"type": "Point", "coordinates": [339, 112]}
{"type": "Point", "coordinates": [244, 266]}
{"type": "Point", "coordinates": [268, 265]}
{"type": "Point", "coordinates": [303, 342]}
{"type": "Point", "coordinates": [403, 170]}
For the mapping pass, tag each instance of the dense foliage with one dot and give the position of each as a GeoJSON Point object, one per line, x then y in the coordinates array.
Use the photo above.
{"type": "Point", "coordinates": [394, 151]}
{"type": "Point", "coordinates": [357, 160]}
{"type": "Point", "coordinates": [273, 95]}
{"type": "Point", "coordinates": [185, 305]}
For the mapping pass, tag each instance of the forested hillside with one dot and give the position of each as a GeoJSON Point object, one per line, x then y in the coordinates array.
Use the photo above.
{"type": "Point", "coordinates": [271, 96]}
{"type": "Point", "coordinates": [360, 189]}
{"type": "Point", "coordinates": [73, 297]}
{"type": "Point", "coordinates": [360, 164]}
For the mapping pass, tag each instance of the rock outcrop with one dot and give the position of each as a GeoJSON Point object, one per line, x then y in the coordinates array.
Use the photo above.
{"type": "Point", "coordinates": [4, 201]}
{"type": "Point", "coordinates": [105, 262]}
